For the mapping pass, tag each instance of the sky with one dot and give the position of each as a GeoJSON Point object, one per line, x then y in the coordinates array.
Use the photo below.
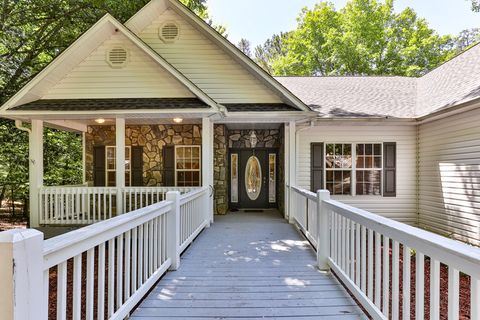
{"type": "Point", "coordinates": [258, 20]}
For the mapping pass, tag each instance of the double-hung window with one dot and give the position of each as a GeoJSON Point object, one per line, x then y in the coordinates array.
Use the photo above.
{"type": "Point", "coordinates": [187, 166]}
{"type": "Point", "coordinates": [353, 168]}
{"type": "Point", "coordinates": [110, 170]}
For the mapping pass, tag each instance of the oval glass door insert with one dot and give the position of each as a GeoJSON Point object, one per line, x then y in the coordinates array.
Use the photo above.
{"type": "Point", "coordinates": [253, 178]}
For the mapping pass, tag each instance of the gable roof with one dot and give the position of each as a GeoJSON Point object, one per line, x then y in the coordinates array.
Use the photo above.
{"type": "Point", "coordinates": [156, 7]}
{"type": "Point", "coordinates": [76, 52]}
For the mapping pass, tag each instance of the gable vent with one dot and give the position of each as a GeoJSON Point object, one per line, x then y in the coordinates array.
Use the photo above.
{"type": "Point", "coordinates": [117, 57]}
{"type": "Point", "coordinates": [169, 32]}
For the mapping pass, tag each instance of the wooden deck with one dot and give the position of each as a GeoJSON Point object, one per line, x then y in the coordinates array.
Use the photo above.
{"type": "Point", "coordinates": [248, 266]}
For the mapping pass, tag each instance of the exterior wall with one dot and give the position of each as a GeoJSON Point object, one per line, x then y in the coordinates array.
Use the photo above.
{"type": "Point", "coordinates": [403, 206]}
{"type": "Point", "coordinates": [220, 167]}
{"type": "Point", "coordinates": [206, 64]}
{"type": "Point", "coordinates": [151, 137]}
{"type": "Point", "coordinates": [140, 78]}
{"type": "Point", "coordinates": [266, 138]}
{"type": "Point", "coordinates": [449, 176]}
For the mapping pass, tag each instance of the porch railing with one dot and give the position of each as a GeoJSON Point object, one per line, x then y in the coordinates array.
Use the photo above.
{"type": "Point", "coordinates": [373, 256]}
{"type": "Point", "coordinates": [81, 205]}
{"type": "Point", "coordinates": [100, 271]}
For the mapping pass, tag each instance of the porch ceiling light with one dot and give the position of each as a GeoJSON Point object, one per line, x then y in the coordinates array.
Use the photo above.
{"type": "Point", "coordinates": [253, 139]}
{"type": "Point", "coordinates": [100, 120]}
{"type": "Point", "coordinates": [177, 120]}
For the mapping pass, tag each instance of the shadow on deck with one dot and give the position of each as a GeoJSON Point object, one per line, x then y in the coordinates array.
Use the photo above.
{"type": "Point", "coordinates": [248, 266]}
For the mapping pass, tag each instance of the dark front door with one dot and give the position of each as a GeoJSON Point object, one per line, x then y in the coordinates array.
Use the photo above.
{"type": "Point", "coordinates": [254, 184]}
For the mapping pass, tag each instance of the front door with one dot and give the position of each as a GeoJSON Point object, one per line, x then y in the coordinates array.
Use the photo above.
{"type": "Point", "coordinates": [253, 179]}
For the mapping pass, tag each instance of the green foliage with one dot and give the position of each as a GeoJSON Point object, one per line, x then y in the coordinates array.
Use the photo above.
{"type": "Point", "coordinates": [244, 46]}
{"type": "Point", "coordinates": [366, 37]}
{"type": "Point", "coordinates": [476, 5]}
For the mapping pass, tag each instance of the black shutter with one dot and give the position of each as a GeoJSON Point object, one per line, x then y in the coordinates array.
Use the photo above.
{"type": "Point", "coordinates": [316, 166]}
{"type": "Point", "coordinates": [169, 166]}
{"type": "Point", "coordinates": [99, 166]}
{"type": "Point", "coordinates": [137, 166]}
{"type": "Point", "coordinates": [390, 169]}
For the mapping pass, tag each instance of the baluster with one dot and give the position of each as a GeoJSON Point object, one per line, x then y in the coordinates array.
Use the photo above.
{"type": "Point", "coordinates": [395, 280]}
{"type": "Point", "coordinates": [140, 256]}
{"type": "Point", "coordinates": [363, 260]}
{"type": "Point", "coordinates": [419, 286]}
{"type": "Point", "coordinates": [344, 247]}
{"type": "Point", "coordinates": [434, 289]}
{"type": "Point", "coordinates": [62, 291]}
{"type": "Point", "coordinates": [370, 265]}
{"type": "Point", "coordinates": [90, 283]}
{"type": "Point", "coordinates": [101, 282]}
{"type": "Point", "coordinates": [453, 293]}
{"type": "Point", "coordinates": [378, 272]}
{"type": "Point", "coordinates": [77, 287]}
{"type": "Point", "coordinates": [127, 264]}
{"type": "Point", "coordinates": [357, 254]}
{"type": "Point", "coordinates": [386, 276]}
{"type": "Point", "coordinates": [134, 258]}
{"type": "Point", "coordinates": [406, 282]}
{"type": "Point", "coordinates": [352, 250]}
{"type": "Point", "coordinates": [111, 277]}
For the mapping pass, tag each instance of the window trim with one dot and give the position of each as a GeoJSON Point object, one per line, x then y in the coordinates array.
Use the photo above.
{"type": "Point", "coordinates": [129, 148]}
{"type": "Point", "coordinates": [199, 170]}
{"type": "Point", "coordinates": [353, 169]}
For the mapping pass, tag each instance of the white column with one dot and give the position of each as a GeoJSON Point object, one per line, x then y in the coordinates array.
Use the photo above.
{"type": "Point", "coordinates": [207, 160]}
{"type": "Point", "coordinates": [292, 154]}
{"type": "Point", "coordinates": [84, 150]}
{"type": "Point", "coordinates": [35, 140]}
{"type": "Point", "coordinates": [323, 230]}
{"type": "Point", "coordinates": [120, 161]}
{"type": "Point", "coordinates": [21, 272]}
{"type": "Point", "coordinates": [286, 170]}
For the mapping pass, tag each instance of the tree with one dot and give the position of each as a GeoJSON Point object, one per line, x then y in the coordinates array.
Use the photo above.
{"type": "Point", "coordinates": [467, 38]}
{"type": "Point", "coordinates": [476, 5]}
{"type": "Point", "coordinates": [244, 46]}
{"type": "Point", "coordinates": [272, 49]}
{"type": "Point", "coordinates": [366, 37]}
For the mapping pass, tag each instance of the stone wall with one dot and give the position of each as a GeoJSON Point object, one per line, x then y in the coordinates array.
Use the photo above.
{"type": "Point", "coordinates": [220, 166]}
{"type": "Point", "coordinates": [151, 137]}
{"type": "Point", "coordinates": [266, 138]}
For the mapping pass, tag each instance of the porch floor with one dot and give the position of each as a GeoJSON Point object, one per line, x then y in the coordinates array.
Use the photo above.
{"type": "Point", "coordinates": [248, 266]}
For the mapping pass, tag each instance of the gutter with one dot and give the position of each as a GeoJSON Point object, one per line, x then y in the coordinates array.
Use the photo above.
{"type": "Point", "coordinates": [450, 111]}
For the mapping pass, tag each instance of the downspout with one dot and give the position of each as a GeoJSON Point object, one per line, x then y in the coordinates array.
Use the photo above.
{"type": "Point", "coordinates": [19, 126]}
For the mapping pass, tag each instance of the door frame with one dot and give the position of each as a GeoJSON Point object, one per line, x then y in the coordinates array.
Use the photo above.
{"type": "Point", "coordinates": [276, 151]}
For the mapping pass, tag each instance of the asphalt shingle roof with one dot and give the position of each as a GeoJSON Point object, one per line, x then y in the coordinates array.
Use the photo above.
{"type": "Point", "coordinates": [454, 82]}
{"type": "Point", "coordinates": [112, 104]}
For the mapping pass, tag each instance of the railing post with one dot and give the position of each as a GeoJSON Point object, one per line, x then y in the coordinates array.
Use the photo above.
{"type": "Point", "coordinates": [291, 205]}
{"type": "Point", "coordinates": [173, 230]}
{"type": "Point", "coordinates": [21, 274]}
{"type": "Point", "coordinates": [323, 230]}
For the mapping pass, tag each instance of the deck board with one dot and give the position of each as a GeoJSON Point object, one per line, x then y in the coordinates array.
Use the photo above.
{"type": "Point", "coordinates": [248, 266]}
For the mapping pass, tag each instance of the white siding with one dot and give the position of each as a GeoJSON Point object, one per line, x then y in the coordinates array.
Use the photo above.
{"type": "Point", "coordinates": [141, 77]}
{"type": "Point", "coordinates": [206, 64]}
{"type": "Point", "coordinates": [449, 176]}
{"type": "Point", "coordinates": [403, 206]}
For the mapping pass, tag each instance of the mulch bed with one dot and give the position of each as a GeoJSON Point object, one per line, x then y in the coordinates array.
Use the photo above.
{"type": "Point", "coordinates": [9, 222]}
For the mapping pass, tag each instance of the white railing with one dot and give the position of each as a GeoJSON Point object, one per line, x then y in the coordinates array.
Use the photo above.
{"type": "Point", "coordinates": [305, 212]}
{"type": "Point", "coordinates": [192, 221]}
{"type": "Point", "coordinates": [100, 271]}
{"type": "Point", "coordinates": [374, 257]}
{"type": "Point", "coordinates": [81, 205]}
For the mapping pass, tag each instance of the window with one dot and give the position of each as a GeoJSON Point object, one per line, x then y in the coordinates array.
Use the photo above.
{"type": "Point", "coordinates": [110, 163]}
{"type": "Point", "coordinates": [363, 176]}
{"type": "Point", "coordinates": [187, 166]}
{"type": "Point", "coordinates": [369, 169]}
{"type": "Point", "coordinates": [338, 165]}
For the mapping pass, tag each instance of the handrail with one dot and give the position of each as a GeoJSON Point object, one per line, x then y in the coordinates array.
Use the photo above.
{"type": "Point", "coordinates": [80, 240]}
{"type": "Point", "coordinates": [453, 252]}
{"type": "Point", "coordinates": [368, 252]}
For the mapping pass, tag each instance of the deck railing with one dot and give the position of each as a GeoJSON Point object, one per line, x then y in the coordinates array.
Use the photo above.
{"type": "Point", "coordinates": [100, 271]}
{"type": "Point", "coordinates": [372, 255]}
{"type": "Point", "coordinates": [82, 205]}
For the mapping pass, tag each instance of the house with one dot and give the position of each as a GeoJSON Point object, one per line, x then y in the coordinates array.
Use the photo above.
{"type": "Point", "coordinates": [165, 103]}
{"type": "Point", "coordinates": [181, 106]}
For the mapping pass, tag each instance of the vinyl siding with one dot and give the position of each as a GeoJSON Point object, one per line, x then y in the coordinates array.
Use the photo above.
{"type": "Point", "coordinates": [403, 206]}
{"type": "Point", "coordinates": [449, 176]}
{"type": "Point", "coordinates": [206, 64]}
{"type": "Point", "coordinates": [142, 77]}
